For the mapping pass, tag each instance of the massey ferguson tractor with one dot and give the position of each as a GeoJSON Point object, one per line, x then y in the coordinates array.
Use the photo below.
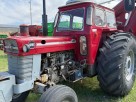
{"type": "Point", "coordinates": [88, 40]}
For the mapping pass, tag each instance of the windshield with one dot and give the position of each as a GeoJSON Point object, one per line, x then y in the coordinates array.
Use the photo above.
{"type": "Point", "coordinates": [71, 20]}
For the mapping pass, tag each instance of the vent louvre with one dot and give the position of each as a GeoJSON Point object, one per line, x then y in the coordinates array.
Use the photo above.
{"type": "Point", "coordinates": [21, 67]}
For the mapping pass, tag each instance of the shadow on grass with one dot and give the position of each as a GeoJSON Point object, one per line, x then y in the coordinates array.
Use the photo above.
{"type": "Point", "coordinates": [87, 91]}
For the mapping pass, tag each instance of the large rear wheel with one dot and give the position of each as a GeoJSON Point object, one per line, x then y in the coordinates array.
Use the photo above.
{"type": "Point", "coordinates": [116, 64]}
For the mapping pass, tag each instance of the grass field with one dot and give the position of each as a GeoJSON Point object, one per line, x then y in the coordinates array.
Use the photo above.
{"type": "Point", "coordinates": [88, 90]}
{"type": "Point", "coordinates": [3, 61]}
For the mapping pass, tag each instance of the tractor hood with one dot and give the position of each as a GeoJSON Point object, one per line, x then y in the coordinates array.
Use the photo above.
{"type": "Point", "coordinates": [24, 46]}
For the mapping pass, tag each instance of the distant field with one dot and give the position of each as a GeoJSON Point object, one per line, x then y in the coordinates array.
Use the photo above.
{"type": "Point", "coordinates": [87, 91]}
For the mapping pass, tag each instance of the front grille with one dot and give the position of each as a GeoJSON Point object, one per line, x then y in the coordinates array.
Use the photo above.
{"type": "Point", "coordinates": [11, 46]}
{"type": "Point", "coordinates": [21, 67]}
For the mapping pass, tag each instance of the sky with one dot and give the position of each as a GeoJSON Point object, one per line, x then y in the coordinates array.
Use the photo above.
{"type": "Point", "coordinates": [16, 12]}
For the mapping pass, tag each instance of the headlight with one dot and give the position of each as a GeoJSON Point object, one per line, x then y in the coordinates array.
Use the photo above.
{"type": "Point", "coordinates": [11, 46]}
{"type": "Point", "coordinates": [83, 45]}
{"type": "Point", "coordinates": [26, 48]}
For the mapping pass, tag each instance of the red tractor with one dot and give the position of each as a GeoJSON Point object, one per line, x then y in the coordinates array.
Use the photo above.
{"type": "Point", "coordinates": [86, 43]}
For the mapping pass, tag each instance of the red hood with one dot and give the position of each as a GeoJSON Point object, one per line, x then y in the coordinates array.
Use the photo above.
{"type": "Point", "coordinates": [43, 44]}
{"type": "Point", "coordinates": [40, 38]}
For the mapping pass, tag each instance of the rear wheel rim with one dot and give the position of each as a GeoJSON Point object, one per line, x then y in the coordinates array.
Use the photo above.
{"type": "Point", "coordinates": [66, 101]}
{"type": "Point", "coordinates": [129, 69]}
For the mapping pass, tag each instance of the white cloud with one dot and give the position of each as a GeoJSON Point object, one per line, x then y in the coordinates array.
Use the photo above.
{"type": "Point", "coordinates": [16, 12]}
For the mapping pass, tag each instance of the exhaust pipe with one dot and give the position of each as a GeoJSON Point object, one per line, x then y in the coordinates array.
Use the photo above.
{"type": "Point", "coordinates": [44, 20]}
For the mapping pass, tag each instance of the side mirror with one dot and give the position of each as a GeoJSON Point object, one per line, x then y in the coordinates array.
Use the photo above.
{"type": "Point", "coordinates": [129, 5]}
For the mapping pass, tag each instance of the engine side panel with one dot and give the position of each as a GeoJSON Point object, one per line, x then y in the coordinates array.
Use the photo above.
{"type": "Point", "coordinates": [24, 68]}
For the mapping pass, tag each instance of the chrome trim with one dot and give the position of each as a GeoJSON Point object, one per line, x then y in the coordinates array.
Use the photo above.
{"type": "Point", "coordinates": [129, 16]}
{"type": "Point", "coordinates": [57, 43]}
{"type": "Point", "coordinates": [11, 47]}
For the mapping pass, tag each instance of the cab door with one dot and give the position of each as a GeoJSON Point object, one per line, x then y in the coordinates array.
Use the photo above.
{"type": "Point", "coordinates": [98, 23]}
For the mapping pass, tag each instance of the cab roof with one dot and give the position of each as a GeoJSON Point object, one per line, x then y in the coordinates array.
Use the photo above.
{"type": "Point", "coordinates": [69, 2]}
{"type": "Point", "coordinates": [84, 3]}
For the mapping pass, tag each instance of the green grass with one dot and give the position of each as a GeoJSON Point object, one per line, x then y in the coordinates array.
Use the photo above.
{"type": "Point", "coordinates": [87, 90]}
{"type": "Point", "coordinates": [3, 61]}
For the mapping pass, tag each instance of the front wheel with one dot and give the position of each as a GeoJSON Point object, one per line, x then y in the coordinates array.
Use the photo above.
{"type": "Point", "coordinates": [59, 93]}
{"type": "Point", "coordinates": [116, 64]}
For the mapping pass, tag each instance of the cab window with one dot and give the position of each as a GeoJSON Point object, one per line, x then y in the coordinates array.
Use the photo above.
{"type": "Point", "coordinates": [71, 20]}
{"type": "Point", "coordinates": [64, 21]}
{"type": "Point", "coordinates": [111, 22]}
{"type": "Point", "coordinates": [99, 18]}
{"type": "Point", "coordinates": [89, 16]}
{"type": "Point", "coordinates": [77, 23]}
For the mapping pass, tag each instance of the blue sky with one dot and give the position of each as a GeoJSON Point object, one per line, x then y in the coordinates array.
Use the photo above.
{"type": "Point", "coordinates": [16, 12]}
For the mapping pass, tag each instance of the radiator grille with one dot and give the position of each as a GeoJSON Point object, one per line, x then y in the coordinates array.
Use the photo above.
{"type": "Point", "coordinates": [21, 67]}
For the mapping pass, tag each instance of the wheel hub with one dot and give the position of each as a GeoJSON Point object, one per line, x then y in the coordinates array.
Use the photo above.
{"type": "Point", "coordinates": [129, 70]}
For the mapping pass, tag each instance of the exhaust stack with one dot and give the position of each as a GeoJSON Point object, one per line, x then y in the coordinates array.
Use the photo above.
{"type": "Point", "coordinates": [44, 20]}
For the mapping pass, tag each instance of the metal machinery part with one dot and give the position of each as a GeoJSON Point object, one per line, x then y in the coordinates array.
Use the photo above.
{"type": "Point", "coordinates": [57, 66]}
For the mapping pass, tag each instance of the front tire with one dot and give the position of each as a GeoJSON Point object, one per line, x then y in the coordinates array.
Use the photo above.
{"type": "Point", "coordinates": [116, 64]}
{"type": "Point", "coordinates": [59, 93]}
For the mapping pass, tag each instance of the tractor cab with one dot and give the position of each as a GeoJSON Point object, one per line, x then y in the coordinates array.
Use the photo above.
{"type": "Point", "coordinates": [85, 21]}
{"type": "Point", "coordinates": [83, 16]}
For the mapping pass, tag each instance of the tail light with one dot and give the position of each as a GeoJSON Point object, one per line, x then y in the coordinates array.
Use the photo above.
{"type": "Point", "coordinates": [83, 45]}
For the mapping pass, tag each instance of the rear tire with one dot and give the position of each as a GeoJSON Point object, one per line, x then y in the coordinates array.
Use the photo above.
{"type": "Point", "coordinates": [116, 64]}
{"type": "Point", "coordinates": [20, 97]}
{"type": "Point", "coordinates": [59, 93]}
